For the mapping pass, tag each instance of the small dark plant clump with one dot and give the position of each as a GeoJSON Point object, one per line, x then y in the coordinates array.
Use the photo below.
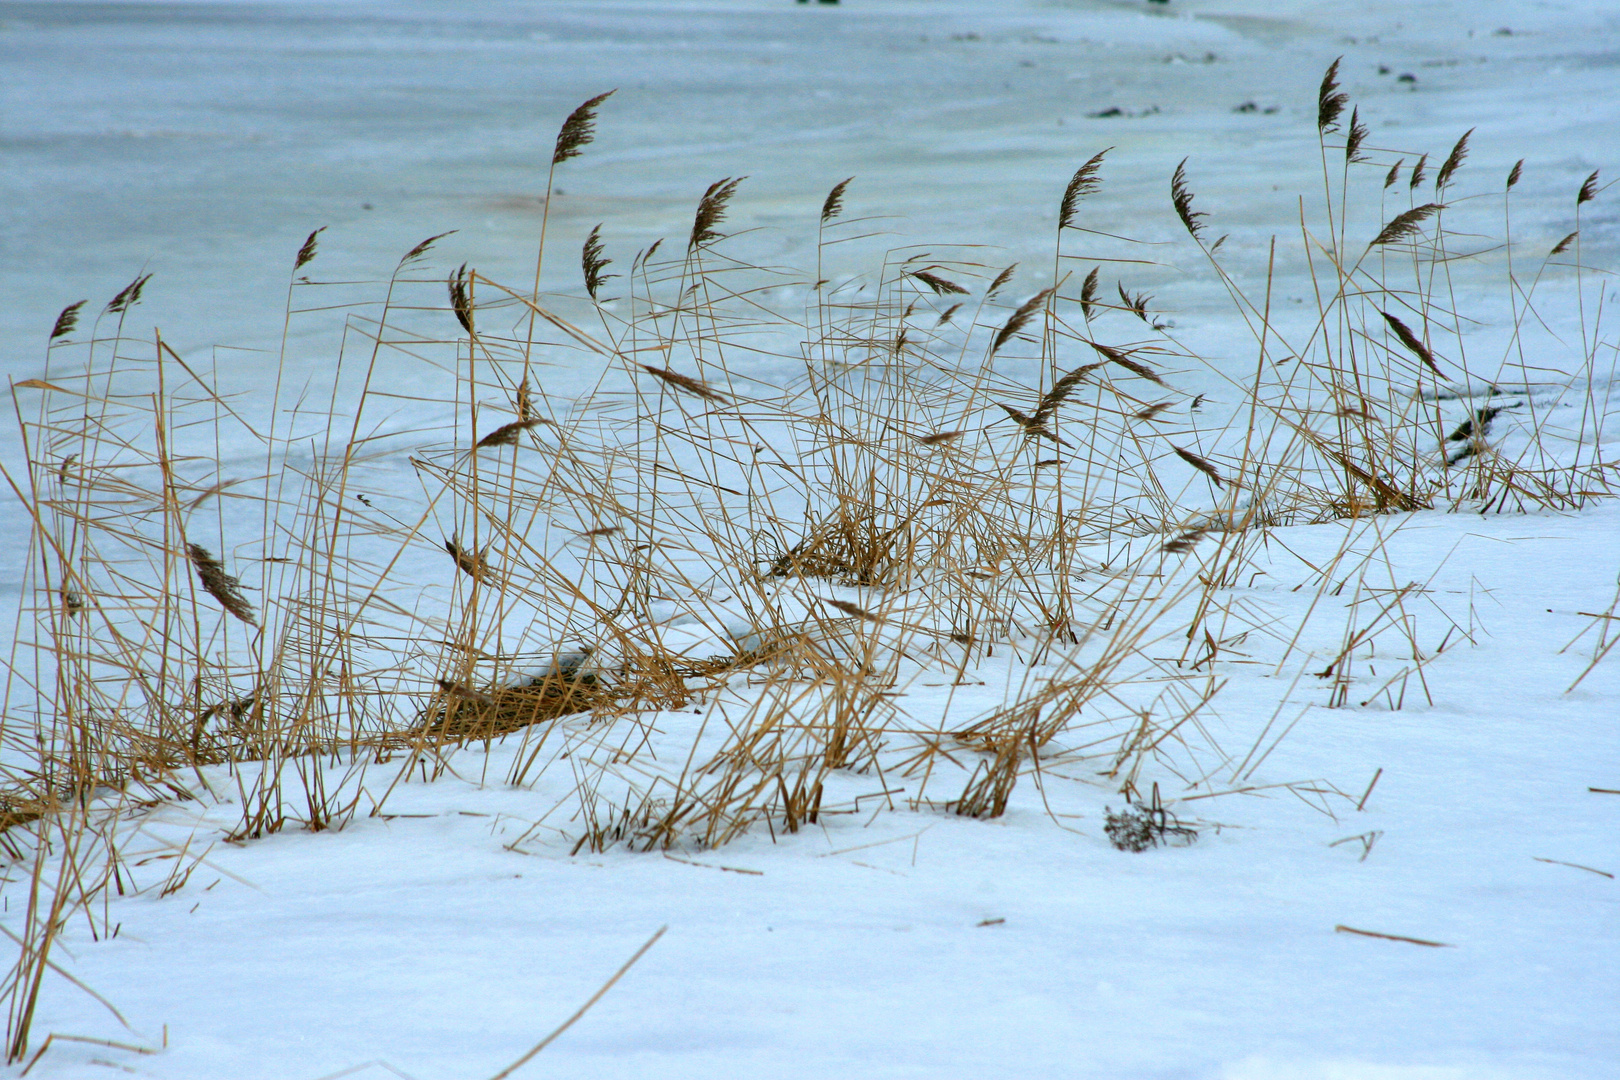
{"type": "Point", "coordinates": [1137, 828]}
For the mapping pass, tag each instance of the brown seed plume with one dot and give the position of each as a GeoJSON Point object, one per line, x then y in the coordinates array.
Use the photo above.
{"type": "Point", "coordinates": [1123, 359]}
{"type": "Point", "coordinates": [593, 263]}
{"type": "Point", "coordinates": [1406, 225]}
{"type": "Point", "coordinates": [1412, 342]}
{"type": "Point", "coordinates": [469, 562]}
{"type": "Point", "coordinates": [1329, 102]}
{"type": "Point", "coordinates": [128, 296]}
{"type": "Point", "coordinates": [456, 691]}
{"type": "Point", "coordinates": [507, 434]}
{"type": "Point", "coordinates": [683, 382]}
{"type": "Point", "coordinates": [307, 252]}
{"type": "Point", "coordinates": [1019, 318]}
{"type": "Point", "coordinates": [220, 585]}
{"type": "Point", "coordinates": [1048, 406]}
{"type": "Point", "coordinates": [1088, 292]}
{"type": "Point", "coordinates": [1417, 173]}
{"type": "Point", "coordinates": [1152, 411]}
{"type": "Point", "coordinates": [940, 437]}
{"type": "Point", "coordinates": [1001, 279]}
{"type": "Point", "coordinates": [525, 404]}
{"type": "Point", "coordinates": [421, 249]}
{"type": "Point", "coordinates": [941, 286]}
{"type": "Point", "coordinates": [461, 298]}
{"type": "Point", "coordinates": [1514, 174]}
{"type": "Point", "coordinates": [1136, 305]}
{"type": "Point", "coordinates": [712, 210]}
{"type": "Point", "coordinates": [945, 316]}
{"type": "Point", "coordinates": [67, 320]}
{"type": "Point", "coordinates": [1085, 182]}
{"type": "Point", "coordinates": [1588, 190]}
{"type": "Point", "coordinates": [834, 204]}
{"type": "Point", "coordinates": [579, 130]}
{"type": "Point", "coordinates": [1184, 542]}
{"type": "Point", "coordinates": [1198, 463]}
{"type": "Point", "coordinates": [1453, 161]}
{"type": "Point", "coordinates": [1358, 135]}
{"type": "Point", "coordinates": [850, 609]}
{"type": "Point", "coordinates": [1393, 177]}
{"type": "Point", "coordinates": [1032, 428]}
{"type": "Point", "coordinates": [1563, 245]}
{"type": "Point", "coordinates": [1183, 200]}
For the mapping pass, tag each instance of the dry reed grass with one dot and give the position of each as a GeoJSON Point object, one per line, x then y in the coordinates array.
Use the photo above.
{"type": "Point", "coordinates": [865, 523]}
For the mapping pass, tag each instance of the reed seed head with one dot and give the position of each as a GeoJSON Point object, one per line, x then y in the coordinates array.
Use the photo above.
{"type": "Point", "coordinates": [1329, 101]}
{"type": "Point", "coordinates": [1183, 200]}
{"type": "Point", "coordinates": [67, 320]}
{"type": "Point", "coordinates": [1588, 190]}
{"type": "Point", "coordinates": [593, 262]}
{"type": "Point", "coordinates": [461, 299]}
{"type": "Point", "coordinates": [1088, 292]}
{"type": "Point", "coordinates": [941, 286]}
{"type": "Point", "coordinates": [1412, 342]}
{"type": "Point", "coordinates": [1417, 173]}
{"type": "Point", "coordinates": [1001, 279]}
{"type": "Point", "coordinates": [128, 296]}
{"type": "Point", "coordinates": [579, 130]}
{"type": "Point", "coordinates": [1200, 464]}
{"type": "Point", "coordinates": [711, 211]}
{"type": "Point", "coordinates": [220, 585]}
{"type": "Point", "coordinates": [1358, 135]}
{"type": "Point", "coordinates": [1405, 226]}
{"type": "Point", "coordinates": [1019, 318]}
{"type": "Point", "coordinates": [421, 249]}
{"type": "Point", "coordinates": [1453, 161]}
{"type": "Point", "coordinates": [833, 205]}
{"type": "Point", "coordinates": [307, 252]}
{"type": "Point", "coordinates": [1084, 182]}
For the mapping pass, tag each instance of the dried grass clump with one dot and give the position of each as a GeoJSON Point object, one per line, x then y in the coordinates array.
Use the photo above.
{"type": "Point", "coordinates": [695, 600]}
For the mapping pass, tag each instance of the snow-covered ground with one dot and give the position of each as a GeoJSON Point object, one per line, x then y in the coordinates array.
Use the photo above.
{"type": "Point", "coordinates": [203, 141]}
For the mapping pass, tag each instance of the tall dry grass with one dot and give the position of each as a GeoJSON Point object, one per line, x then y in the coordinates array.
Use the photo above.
{"type": "Point", "coordinates": [783, 519]}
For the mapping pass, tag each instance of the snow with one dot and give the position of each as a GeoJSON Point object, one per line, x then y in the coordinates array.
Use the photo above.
{"type": "Point", "coordinates": [449, 933]}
